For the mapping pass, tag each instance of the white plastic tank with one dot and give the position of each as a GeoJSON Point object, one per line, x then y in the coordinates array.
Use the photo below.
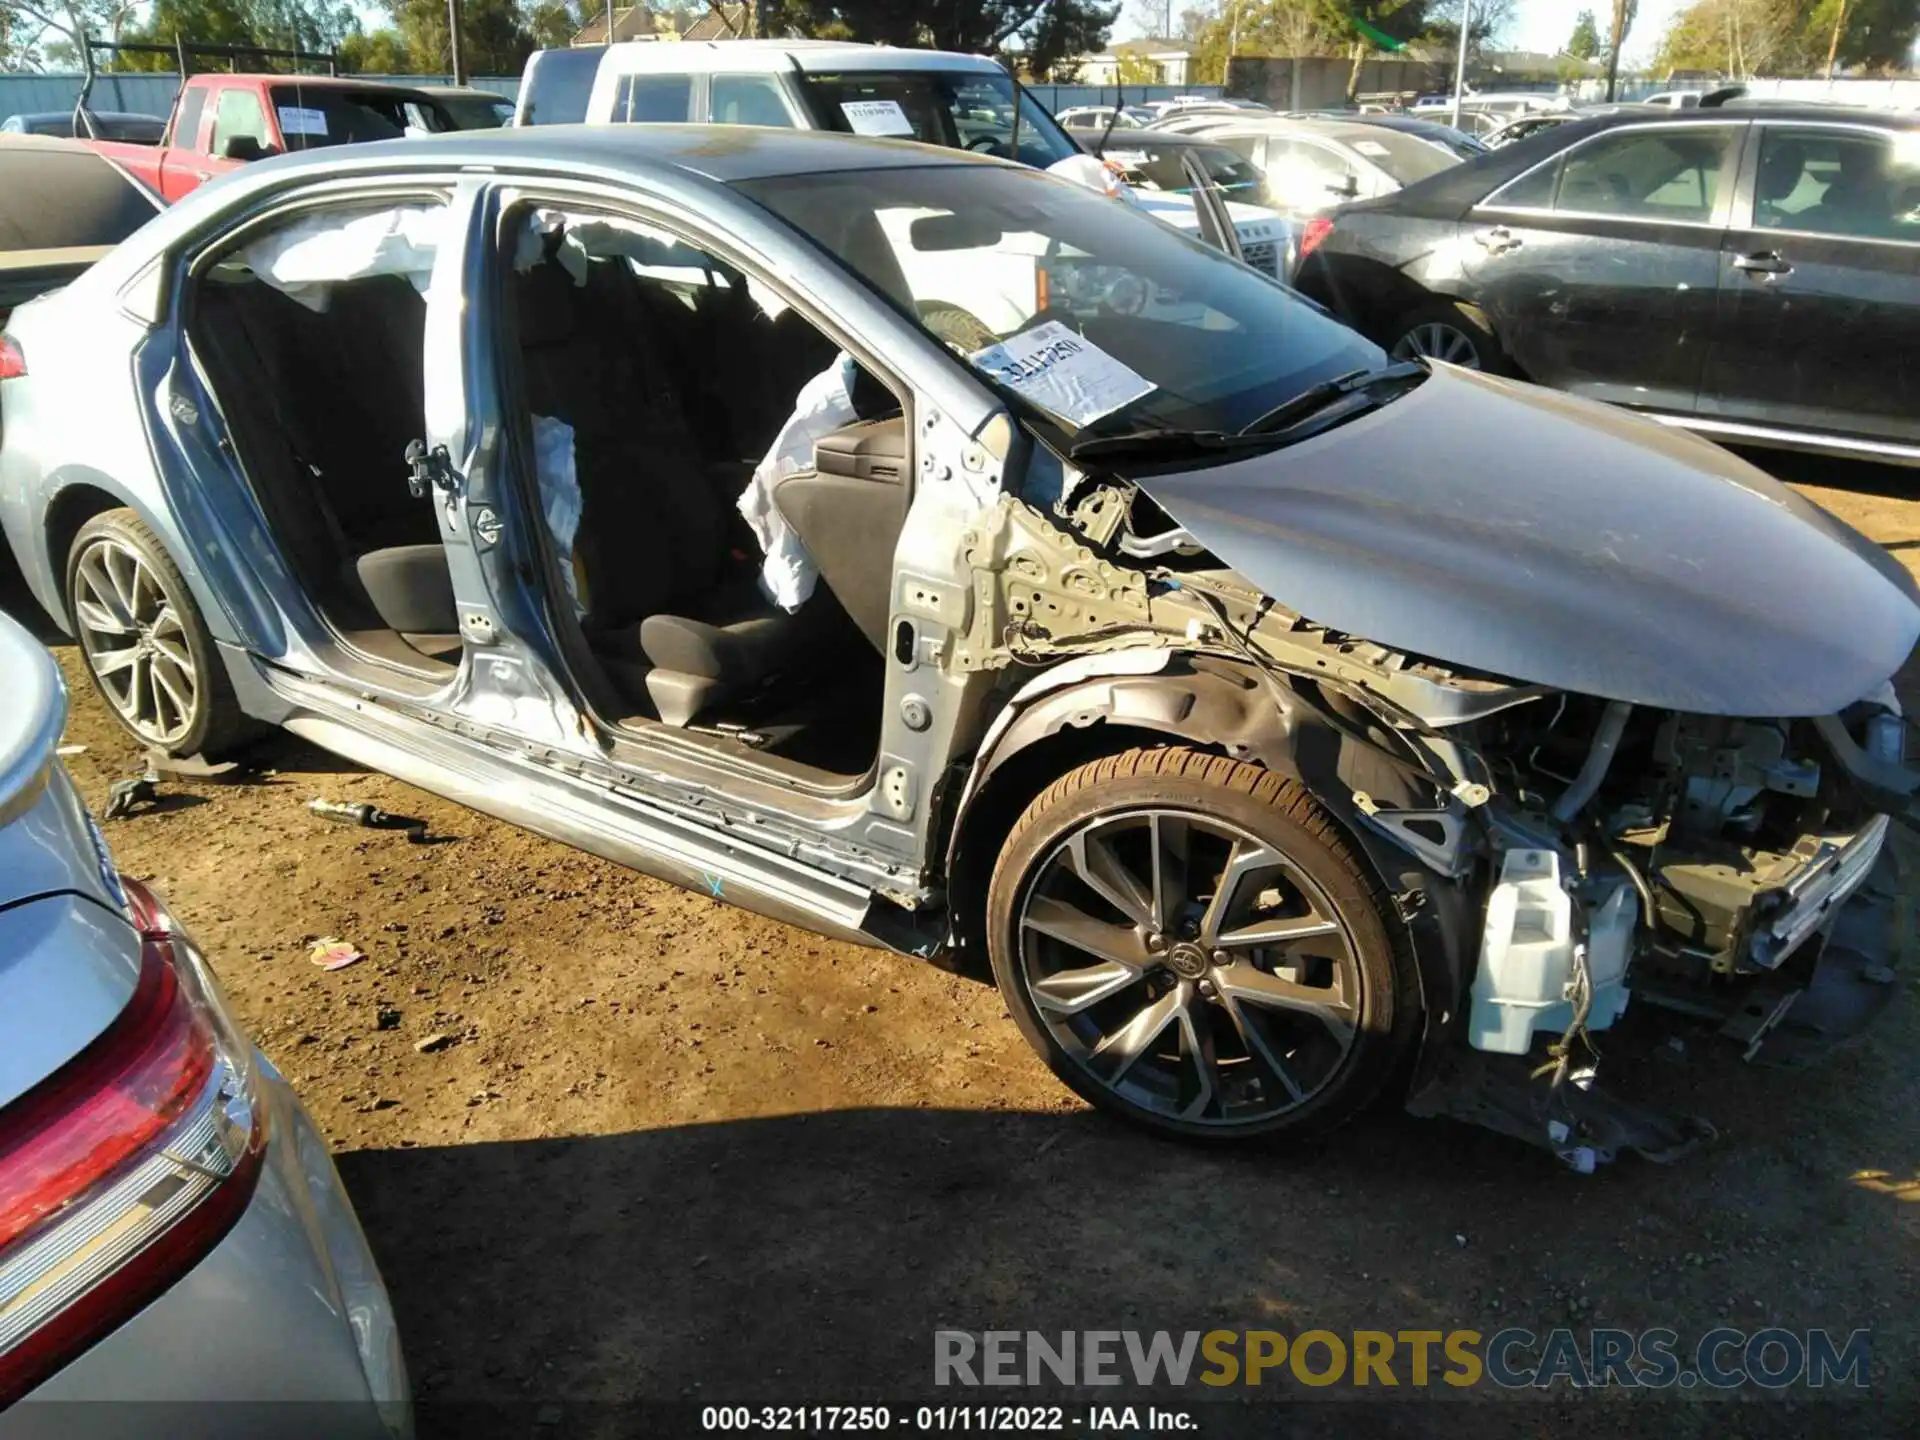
{"type": "Point", "coordinates": [1527, 962]}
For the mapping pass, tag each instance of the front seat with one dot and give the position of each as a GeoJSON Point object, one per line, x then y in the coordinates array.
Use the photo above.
{"type": "Point", "coordinates": [660, 586]}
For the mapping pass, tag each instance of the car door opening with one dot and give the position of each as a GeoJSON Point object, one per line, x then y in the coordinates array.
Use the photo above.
{"type": "Point", "coordinates": [311, 340]}
{"type": "Point", "coordinates": [722, 489]}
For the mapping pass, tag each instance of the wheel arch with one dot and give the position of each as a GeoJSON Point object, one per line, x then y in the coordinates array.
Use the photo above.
{"type": "Point", "coordinates": [78, 499]}
{"type": "Point", "coordinates": [1209, 704]}
{"type": "Point", "coordinates": [1369, 294]}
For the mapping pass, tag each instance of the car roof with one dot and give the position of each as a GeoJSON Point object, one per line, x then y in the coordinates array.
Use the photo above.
{"type": "Point", "coordinates": [21, 141]}
{"type": "Point", "coordinates": [1450, 192]}
{"type": "Point", "coordinates": [723, 153]}
{"type": "Point", "coordinates": [699, 57]}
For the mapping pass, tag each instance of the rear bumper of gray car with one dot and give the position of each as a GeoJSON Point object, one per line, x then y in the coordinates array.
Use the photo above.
{"type": "Point", "coordinates": [283, 1329]}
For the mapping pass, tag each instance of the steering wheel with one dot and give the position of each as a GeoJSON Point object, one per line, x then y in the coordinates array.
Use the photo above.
{"type": "Point", "coordinates": [956, 325]}
{"type": "Point", "coordinates": [984, 143]}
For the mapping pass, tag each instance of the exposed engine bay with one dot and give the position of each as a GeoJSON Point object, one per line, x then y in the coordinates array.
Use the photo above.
{"type": "Point", "coordinates": [1605, 852]}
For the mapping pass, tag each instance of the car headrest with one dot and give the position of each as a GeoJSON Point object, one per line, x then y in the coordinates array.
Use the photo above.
{"type": "Point", "coordinates": [1780, 171]}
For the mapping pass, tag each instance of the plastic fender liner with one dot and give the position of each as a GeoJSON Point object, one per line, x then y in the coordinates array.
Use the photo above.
{"type": "Point", "coordinates": [1228, 706]}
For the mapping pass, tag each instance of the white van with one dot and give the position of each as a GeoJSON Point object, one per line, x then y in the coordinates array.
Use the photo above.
{"type": "Point", "coordinates": [932, 96]}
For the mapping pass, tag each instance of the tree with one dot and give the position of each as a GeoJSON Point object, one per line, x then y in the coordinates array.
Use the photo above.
{"type": "Point", "coordinates": [1782, 37]}
{"type": "Point", "coordinates": [1304, 28]}
{"type": "Point", "coordinates": [38, 33]}
{"type": "Point", "coordinates": [1040, 32]}
{"type": "Point", "coordinates": [1584, 43]}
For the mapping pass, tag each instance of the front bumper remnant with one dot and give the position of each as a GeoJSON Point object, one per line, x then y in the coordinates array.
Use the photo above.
{"type": "Point", "coordinates": [1853, 980]}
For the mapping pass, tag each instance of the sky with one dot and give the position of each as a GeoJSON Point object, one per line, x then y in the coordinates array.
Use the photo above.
{"type": "Point", "coordinates": [1540, 25]}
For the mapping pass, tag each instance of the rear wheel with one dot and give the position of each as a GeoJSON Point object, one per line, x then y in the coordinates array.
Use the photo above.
{"type": "Point", "coordinates": [1451, 331]}
{"type": "Point", "coordinates": [1189, 942]}
{"type": "Point", "coordinates": [147, 650]}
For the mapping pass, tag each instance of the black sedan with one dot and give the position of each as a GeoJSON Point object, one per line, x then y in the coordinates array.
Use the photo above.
{"type": "Point", "coordinates": [1754, 274]}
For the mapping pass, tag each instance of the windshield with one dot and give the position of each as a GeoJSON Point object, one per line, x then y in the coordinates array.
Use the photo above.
{"type": "Point", "coordinates": [1405, 157]}
{"type": "Point", "coordinates": [1156, 329]}
{"type": "Point", "coordinates": [963, 109]}
{"type": "Point", "coordinates": [1149, 166]}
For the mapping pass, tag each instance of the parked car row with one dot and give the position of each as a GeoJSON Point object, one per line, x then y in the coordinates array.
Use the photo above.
{"type": "Point", "coordinates": [1750, 274]}
{"type": "Point", "coordinates": [1276, 704]}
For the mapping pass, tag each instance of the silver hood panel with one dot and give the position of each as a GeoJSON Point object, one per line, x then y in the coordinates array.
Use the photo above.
{"type": "Point", "coordinates": [1501, 527]}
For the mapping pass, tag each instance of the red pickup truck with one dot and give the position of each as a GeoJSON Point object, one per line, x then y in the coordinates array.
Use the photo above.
{"type": "Point", "coordinates": [222, 121]}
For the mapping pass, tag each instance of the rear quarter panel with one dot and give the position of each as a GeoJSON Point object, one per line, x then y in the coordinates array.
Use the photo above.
{"type": "Point", "coordinates": [1376, 266]}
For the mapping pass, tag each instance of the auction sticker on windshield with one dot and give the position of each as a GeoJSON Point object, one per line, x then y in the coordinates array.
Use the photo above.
{"type": "Point", "coordinates": [302, 120]}
{"type": "Point", "coordinates": [877, 117]}
{"type": "Point", "coordinates": [1063, 373]}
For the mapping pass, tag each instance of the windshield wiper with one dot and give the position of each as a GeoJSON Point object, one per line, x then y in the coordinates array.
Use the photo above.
{"type": "Point", "coordinates": [1175, 441]}
{"type": "Point", "coordinates": [1316, 398]}
{"type": "Point", "coordinates": [1273, 428]}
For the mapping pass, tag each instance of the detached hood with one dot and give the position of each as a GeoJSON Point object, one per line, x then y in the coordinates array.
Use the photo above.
{"type": "Point", "coordinates": [1558, 541]}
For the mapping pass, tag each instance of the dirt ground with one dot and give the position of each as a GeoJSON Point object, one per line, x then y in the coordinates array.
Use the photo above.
{"type": "Point", "coordinates": [668, 1149]}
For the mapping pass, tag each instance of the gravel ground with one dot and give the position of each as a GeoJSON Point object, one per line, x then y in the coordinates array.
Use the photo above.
{"type": "Point", "coordinates": [612, 1140]}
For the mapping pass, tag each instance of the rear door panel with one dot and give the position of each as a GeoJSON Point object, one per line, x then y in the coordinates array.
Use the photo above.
{"type": "Point", "coordinates": [1816, 327]}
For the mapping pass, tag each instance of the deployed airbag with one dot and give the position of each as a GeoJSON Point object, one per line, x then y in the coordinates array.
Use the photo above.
{"type": "Point", "coordinates": [824, 405]}
{"type": "Point", "coordinates": [306, 259]}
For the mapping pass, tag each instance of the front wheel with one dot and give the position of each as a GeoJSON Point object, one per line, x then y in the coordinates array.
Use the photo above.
{"type": "Point", "coordinates": [147, 649]}
{"type": "Point", "coordinates": [1190, 942]}
{"type": "Point", "coordinates": [1448, 330]}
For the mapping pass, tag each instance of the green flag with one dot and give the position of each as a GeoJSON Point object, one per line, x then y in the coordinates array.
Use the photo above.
{"type": "Point", "coordinates": [1379, 39]}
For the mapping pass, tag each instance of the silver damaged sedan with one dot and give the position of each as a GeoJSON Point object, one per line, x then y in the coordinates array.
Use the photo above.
{"type": "Point", "coordinates": [171, 1226]}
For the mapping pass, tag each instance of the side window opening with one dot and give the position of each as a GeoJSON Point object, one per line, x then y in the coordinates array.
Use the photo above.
{"type": "Point", "coordinates": [311, 336]}
{"type": "Point", "coordinates": [653, 99]}
{"type": "Point", "coordinates": [238, 116]}
{"type": "Point", "coordinates": [1824, 181]}
{"type": "Point", "coordinates": [721, 487]}
{"type": "Point", "coordinates": [748, 100]}
{"type": "Point", "coordinates": [1671, 175]}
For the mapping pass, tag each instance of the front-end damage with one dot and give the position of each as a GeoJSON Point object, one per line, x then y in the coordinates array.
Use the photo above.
{"type": "Point", "coordinates": [1553, 856]}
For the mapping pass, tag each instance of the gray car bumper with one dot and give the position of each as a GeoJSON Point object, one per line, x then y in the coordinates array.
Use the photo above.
{"type": "Point", "coordinates": [283, 1329]}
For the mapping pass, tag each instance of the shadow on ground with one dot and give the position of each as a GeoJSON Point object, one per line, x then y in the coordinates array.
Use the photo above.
{"type": "Point", "coordinates": [811, 1258]}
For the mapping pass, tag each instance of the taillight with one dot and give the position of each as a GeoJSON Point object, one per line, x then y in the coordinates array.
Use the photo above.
{"type": "Point", "coordinates": [127, 1165]}
{"type": "Point", "coordinates": [1318, 228]}
{"type": "Point", "coordinates": [13, 360]}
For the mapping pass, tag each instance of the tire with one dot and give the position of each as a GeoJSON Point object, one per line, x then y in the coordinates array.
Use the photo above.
{"type": "Point", "coordinates": [1449, 330]}
{"type": "Point", "coordinates": [146, 647]}
{"type": "Point", "coordinates": [1204, 1021]}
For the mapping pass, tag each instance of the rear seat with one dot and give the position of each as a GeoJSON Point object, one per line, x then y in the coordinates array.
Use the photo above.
{"type": "Point", "coordinates": [342, 394]}
{"type": "Point", "coordinates": [654, 547]}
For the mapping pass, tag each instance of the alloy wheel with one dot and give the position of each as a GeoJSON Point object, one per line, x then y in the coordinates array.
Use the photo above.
{"type": "Point", "coordinates": [1437, 340]}
{"type": "Point", "coordinates": [1189, 967]}
{"type": "Point", "coordinates": [134, 641]}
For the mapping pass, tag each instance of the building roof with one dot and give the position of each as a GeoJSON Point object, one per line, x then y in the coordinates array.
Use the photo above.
{"type": "Point", "coordinates": [721, 22]}
{"type": "Point", "coordinates": [633, 22]}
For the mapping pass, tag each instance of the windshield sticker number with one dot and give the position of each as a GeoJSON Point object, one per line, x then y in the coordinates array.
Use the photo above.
{"type": "Point", "coordinates": [1063, 373]}
{"type": "Point", "coordinates": [302, 120]}
{"type": "Point", "coordinates": [877, 117]}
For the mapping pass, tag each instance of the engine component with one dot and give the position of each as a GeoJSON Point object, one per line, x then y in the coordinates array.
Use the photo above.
{"type": "Point", "coordinates": [1531, 956]}
{"type": "Point", "coordinates": [1724, 766]}
{"type": "Point", "coordinates": [1606, 740]}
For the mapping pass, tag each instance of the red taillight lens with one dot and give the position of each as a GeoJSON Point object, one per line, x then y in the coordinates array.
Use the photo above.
{"type": "Point", "coordinates": [123, 1168]}
{"type": "Point", "coordinates": [1318, 228]}
{"type": "Point", "coordinates": [13, 360]}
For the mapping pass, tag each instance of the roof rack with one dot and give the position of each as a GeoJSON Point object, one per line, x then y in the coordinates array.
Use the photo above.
{"type": "Point", "coordinates": [183, 53]}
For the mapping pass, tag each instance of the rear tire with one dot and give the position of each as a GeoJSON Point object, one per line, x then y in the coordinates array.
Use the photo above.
{"type": "Point", "coordinates": [1190, 942]}
{"type": "Point", "coordinates": [1448, 330]}
{"type": "Point", "coordinates": [146, 647]}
